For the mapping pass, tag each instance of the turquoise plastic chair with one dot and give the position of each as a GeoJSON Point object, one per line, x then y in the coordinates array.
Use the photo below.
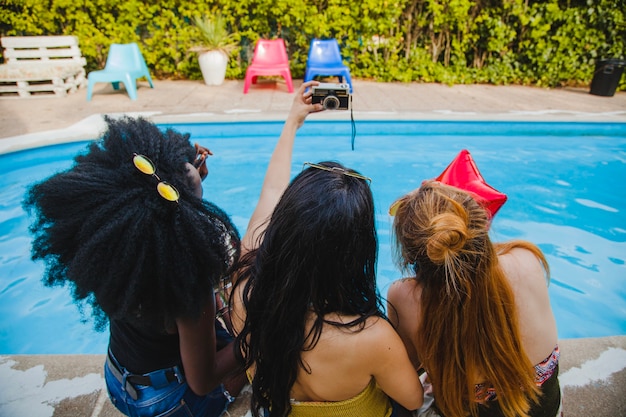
{"type": "Point", "coordinates": [325, 59]}
{"type": "Point", "coordinates": [124, 64]}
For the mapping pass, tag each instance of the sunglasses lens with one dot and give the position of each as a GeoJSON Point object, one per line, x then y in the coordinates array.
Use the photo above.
{"type": "Point", "coordinates": [143, 164]}
{"type": "Point", "coordinates": [393, 209]}
{"type": "Point", "coordinates": [168, 191]}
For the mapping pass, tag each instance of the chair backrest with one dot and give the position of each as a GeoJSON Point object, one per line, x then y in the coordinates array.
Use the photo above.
{"type": "Point", "coordinates": [324, 51]}
{"type": "Point", "coordinates": [126, 56]}
{"type": "Point", "coordinates": [270, 52]}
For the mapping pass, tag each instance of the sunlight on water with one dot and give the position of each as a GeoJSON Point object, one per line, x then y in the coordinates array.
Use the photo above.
{"type": "Point", "coordinates": [564, 183]}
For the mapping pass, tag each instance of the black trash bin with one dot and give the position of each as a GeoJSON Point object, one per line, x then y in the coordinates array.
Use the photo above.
{"type": "Point", "coordinates": [606, 77]}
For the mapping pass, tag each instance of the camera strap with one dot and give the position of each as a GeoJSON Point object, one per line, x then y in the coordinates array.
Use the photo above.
{"type": "Point", "coordinates": [352, 122]}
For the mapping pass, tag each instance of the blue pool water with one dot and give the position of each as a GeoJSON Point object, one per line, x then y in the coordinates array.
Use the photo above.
{"type": "Point", "coordinates": [565, 183]}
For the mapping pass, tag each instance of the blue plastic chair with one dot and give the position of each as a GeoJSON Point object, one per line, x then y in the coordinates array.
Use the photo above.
{"type": "Point", "coordinates": [325, 59]}
{"type": "Point", "coordinates": [124, 64]}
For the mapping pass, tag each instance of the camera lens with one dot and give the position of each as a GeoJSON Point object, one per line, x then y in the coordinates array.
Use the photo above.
{"type": "Point", "coordinates": [331, 103]}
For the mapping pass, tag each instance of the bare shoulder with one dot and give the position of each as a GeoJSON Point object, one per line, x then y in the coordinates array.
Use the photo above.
{"type": "Point", "coordinates": [370, 341]}
{"type": "Point", "coordinates": [403, 305]}
{"type": "Point", "coordinates": [378, 325]}
{"type": "Point", "coordinates": [379, 334]}
{"type": "Point", "coordinates": [523, 269]}
{"type": "Point", "coordinates": [403, 288]}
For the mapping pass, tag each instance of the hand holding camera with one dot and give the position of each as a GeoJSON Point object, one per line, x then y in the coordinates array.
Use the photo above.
{"type": "Point", "coordinates": [332, 96]}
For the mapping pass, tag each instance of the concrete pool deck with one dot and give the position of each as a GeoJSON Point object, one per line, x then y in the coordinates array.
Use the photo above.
{"type": "Point", "coordinates": [24, 121]}
{"type": "Point", "coordinates": [593, 370]}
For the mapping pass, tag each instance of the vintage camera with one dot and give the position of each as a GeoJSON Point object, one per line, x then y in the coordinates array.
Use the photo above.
{"type": "Point", "coordinates": [332, 96]}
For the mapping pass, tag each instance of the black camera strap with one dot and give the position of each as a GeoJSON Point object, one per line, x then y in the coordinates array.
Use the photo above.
{"type": "Point", "coordinates": [352, 122]}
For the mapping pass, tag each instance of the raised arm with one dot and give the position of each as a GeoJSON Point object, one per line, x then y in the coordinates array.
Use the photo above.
{"type": "Point", "coordinates": [279, 169]}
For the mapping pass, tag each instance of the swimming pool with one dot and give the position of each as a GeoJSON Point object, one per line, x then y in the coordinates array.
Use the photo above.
{"type": "Point", "coordinates": [564, 182]}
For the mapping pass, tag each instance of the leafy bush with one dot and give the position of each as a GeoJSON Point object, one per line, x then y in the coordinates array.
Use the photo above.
{"type": "Point", "coordinates": [542, 42]}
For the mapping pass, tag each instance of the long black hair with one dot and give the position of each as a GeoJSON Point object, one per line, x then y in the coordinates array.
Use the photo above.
{"type": "Point", "coordinates": [102, 228]}
{"type": "Point", "coordinates": [317, 255]}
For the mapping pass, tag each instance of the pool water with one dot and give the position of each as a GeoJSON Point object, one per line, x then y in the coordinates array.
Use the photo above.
{"type": "Point", "coordinates": [564, 183]}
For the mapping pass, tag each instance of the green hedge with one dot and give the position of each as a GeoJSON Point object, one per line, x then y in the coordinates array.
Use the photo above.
{"type": "Point", "coordinates": [547, 43]}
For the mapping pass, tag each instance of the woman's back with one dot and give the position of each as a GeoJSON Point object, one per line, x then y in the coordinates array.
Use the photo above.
{"type": "Point", "coordinates": [336, 367]}
{"type": "Point", "coordinates": [344, 361]}
{"type": "Point", "coordinates": [526, 277]}
{"type": "Point", "coordinates": [536, 320]}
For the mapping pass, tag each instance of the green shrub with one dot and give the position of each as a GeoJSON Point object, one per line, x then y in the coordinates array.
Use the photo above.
{"type": "Point", "coordinates": [547, 43]}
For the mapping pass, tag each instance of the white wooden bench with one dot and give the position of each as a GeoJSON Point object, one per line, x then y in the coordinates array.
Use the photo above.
{"type": "Point", "coordinates": [36, 65]}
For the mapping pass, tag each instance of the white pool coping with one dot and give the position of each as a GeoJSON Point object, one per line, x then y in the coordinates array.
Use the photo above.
{"type": "Point", "coordinates": [93, 126]}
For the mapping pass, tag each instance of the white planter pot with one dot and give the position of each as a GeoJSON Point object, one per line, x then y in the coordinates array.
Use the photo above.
{"type": "Point", "coordinates": [213, 66]}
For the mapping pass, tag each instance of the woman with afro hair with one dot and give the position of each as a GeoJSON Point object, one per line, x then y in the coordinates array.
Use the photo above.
{"type": "Point", "coordinates": [127, 230]}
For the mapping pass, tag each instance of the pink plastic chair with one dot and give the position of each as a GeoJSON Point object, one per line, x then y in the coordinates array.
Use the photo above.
{"type": "Point", "coordinates": [270, 58]}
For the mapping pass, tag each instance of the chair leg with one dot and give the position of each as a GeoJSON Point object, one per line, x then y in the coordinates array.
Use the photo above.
{"type": "Point", "coordinates": [116, 85]}
{"type": "Point", "coordinates": [247, 81]}
{"type": "Point", "coordinates": [308, 75]}
{"type": "Point", "coordinates": [90, 84]}
{"type": "Point", "coordinates": [348, 79]}
{"type": "Point", "coordinates": [131, 87]}
{"type": "Point", "coordinates": [288, 80]}
{"type": "Point", "coordinates": [149, 78]}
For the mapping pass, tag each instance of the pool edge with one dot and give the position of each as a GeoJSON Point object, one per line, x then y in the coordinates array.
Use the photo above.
{"type": "Point", "coordinates": [587, 390]}
{"type": "Point", "coordinates": [93, 125]}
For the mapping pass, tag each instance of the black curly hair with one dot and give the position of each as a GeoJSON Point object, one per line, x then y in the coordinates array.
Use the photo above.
{"type": "Point", "coordinates": [102, 227]}
{"type": "Point", "coordinates": [318, 254]}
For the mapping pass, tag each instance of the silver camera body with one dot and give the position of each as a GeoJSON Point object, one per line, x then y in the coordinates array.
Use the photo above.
{"type": "Point", "coordinates": [332, 96]}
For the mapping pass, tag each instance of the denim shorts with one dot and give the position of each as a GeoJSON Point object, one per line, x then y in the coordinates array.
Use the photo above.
{"type": "Point", "coordinates": [172, 399]}
{"type": "Point", "coordinates": [175, 399]}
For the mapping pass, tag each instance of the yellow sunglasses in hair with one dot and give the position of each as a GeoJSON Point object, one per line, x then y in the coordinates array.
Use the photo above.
{"type": "Point", "coordinates": [165, 189]}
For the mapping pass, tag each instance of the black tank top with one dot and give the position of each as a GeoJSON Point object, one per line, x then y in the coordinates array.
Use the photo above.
{"type": "Point", "coordinates": [143, 348]}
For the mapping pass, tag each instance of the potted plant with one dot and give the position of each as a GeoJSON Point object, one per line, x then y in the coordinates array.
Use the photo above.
{"type": "Point", "coordinates": [216, 46]}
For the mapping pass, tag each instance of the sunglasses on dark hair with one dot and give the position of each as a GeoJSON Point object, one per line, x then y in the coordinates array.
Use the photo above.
{"type": "Point", "coordinates": [338, 170]}
{"type": "Point", "coordinates": [165, 189]}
